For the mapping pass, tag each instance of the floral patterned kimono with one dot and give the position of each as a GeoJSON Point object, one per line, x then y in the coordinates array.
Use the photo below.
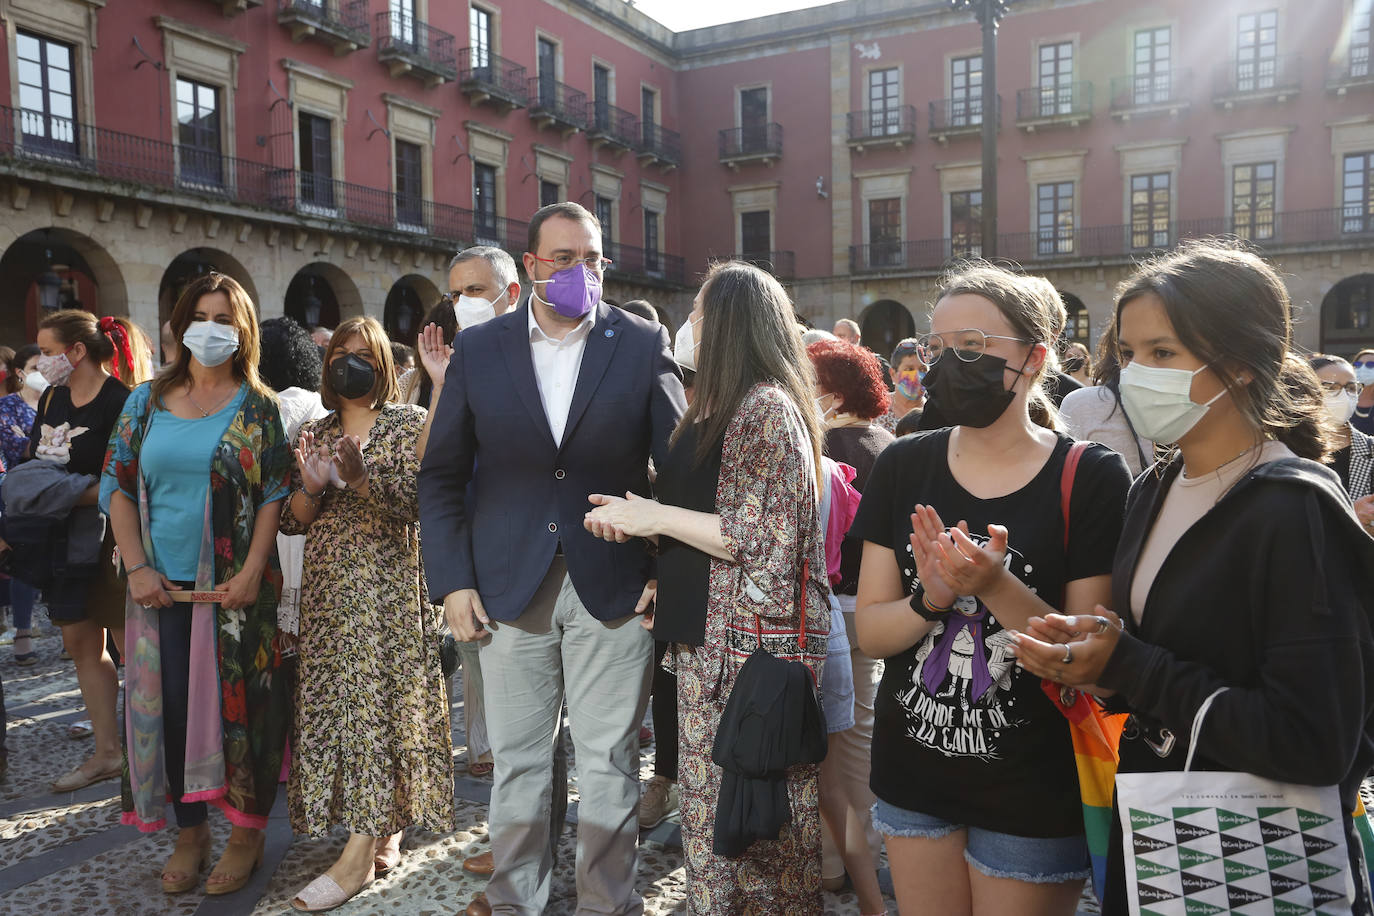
{"type": "Point", "coordinates": [239, 696]}
{"type": "Point", "coordinates": [769, 519]}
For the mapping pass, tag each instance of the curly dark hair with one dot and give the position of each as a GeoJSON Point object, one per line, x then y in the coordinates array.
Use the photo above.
{"type": "Point", "coordinates": [290, 358]}
{"type": "Point", "coordinates": [854, 374]}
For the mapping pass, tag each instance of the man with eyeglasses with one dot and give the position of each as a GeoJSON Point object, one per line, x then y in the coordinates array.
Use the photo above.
{"type": "Point", "coordinates": [560, 398]}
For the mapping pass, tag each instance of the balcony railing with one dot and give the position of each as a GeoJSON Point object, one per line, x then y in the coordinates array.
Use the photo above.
{"type": "Point", "coordinates": [483, 76]}
{"type": "Point", "coordinates": [781, 264]}
{"type": "Point", "coordinates": [1062, 104]}
{"type": "Point", "coordinates": [952, 117]}
{"type": "Point", "coordinates": [878, 126]}
{"type": "Point", "coordinates": [552, 104]}
{"type": "Point", "coordinates": [608, 125]}
{"type": "Point", "coordinates": [635, 262]}
{"type": "Point", "coordinates": [658, 144]}
{"type": "Point", "coordinates": [1248, 78]}
{"type": "Point", "coordinates": [408, 45]}
{"type": "Point", "coordinates": [1356, 70]}
{"type": "Point", "coordinates": [752, 142]}
{"type": "Point", "coordinates": [1266, 231]}
{"type": "Point", "coordinates": [1150, 93]}
{"type": "Point", "coordinates": [339, 23]}
{"type": "Point", "coordinates": [500, 232]}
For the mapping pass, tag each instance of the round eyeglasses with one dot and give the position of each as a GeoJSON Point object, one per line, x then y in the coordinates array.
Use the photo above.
{"type": "Point", "coordinates": [968, 344]}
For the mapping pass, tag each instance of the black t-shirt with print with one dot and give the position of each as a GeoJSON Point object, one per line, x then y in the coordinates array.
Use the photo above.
{"type": "Point", "coordinates": [77, 437]}
{"type": "Point", "coordinates": [961, 733]}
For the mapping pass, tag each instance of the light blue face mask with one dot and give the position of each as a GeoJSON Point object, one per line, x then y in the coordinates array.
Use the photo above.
{"type": "Point", "coordinates": [1159, 402]}
{"type": "Point", "coordinates": [210, 342]}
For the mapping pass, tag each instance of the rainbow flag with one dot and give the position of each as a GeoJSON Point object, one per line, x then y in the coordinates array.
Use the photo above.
{"type": "Point", "coordinates": [1096, 738]}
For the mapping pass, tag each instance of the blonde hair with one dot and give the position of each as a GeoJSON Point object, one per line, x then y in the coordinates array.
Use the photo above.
{"type": "Point", "coordinates": [1031, 306]}
{"type": "Point", "coordinates": [140, 351]}
{"type": "Point", "coordinates": [100, 337]}
{"type": "Point", "coordinates": [384, 385]}
{"type": "Point", "coordinates": [245, 319]}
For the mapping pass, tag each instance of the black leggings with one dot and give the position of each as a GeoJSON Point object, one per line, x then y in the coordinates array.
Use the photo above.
{"type": "Point", "coordinates": [174, 631]}
{"type": "Point", "coordinates": [664, 711]}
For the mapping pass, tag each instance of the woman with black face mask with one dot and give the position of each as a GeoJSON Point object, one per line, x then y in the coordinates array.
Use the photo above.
{"type": "Point", "coordinates": [371, 748]}
{"type": "Point", "coordinates": [972, 765]}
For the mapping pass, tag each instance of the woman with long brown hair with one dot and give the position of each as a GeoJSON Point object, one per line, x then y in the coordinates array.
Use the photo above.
{"type": "Point", "coordinates": [197, 469]}
{"type": "Point", "coordinates": [737, 527]}
{"type": "Point", "coordinates": [371, 748]}
{"type": "Point", "coordinates": [1243, 580]}
{"type": "Point", "coordinates": [70, 429]}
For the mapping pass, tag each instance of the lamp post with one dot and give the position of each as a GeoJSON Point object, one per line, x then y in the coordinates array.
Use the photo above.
{"type": "Point", "coordinates": [989, 13]}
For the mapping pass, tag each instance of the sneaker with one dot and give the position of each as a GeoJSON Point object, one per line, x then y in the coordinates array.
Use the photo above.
{"type": "Point", "coordinates": [657, 803]}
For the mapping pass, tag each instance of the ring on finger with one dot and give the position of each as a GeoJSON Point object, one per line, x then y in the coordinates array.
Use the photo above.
{"type": "Point", "coordinates": [1068, 654]}
{"type": "Point", "coordinates": [1102, 623]}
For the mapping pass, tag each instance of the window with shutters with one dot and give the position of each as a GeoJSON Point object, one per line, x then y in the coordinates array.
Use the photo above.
{"type": "Point", "coordinates": [1054, 218]}
{"type": "Point", "coordinates": [1151, 83]}
{"type": "Point", "coordinates": [966, 91]}
{"type": "Point", "coordinates": [652, 261]}
{"type": "Point", "coordinates": [547, 61]}
{"type": "Point", "coordinates": [648, 115]}
{"type": "Point", "coordinates": [601, 97]}
{"type": "Point", "coordinates": [753, 119]}
{"type": "Point", "coordinates": [605, 215]}
{"type": "Point", "coordinates": [1357, 193]}
{"type": "Point", "coordinates": [549, 193]}
{"type": "Point", "coordinates": [198, 133]}
{"type": "Point", "coordinates": [885, 232]}
{"type": "Point", "coordinates": [1257, 49]}
{"type": "Point", "coordinates": [317, 160]}
{"type": "Point", "coordinates": [884, 102]}
{"type": "Point", "coordinates": [47, 95]}
{"type": "Point", "coordinates": [1358, 54]}
{"type": "Point", "coordinates": [966, 224]}
{"type": "Point", "coordinates": [479, 36]}
{"type": "Point", "coordinates": [484, 200]}
{"type": "Point", "coordinates": [756, 235]}
{"type": "Point", "coordinates": [1055, 79]}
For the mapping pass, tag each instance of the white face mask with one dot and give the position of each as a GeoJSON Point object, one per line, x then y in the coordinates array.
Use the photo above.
{"type": "Point", "coordinates": [210, 342]}
{"type": "Point", "coordinates": [685, 346]}
{"type": "Point", "coordinates": [1340, 406]}
{"type": "Point", "coordinates": [823, 412]}
{"type": "Point", "coordinates": [34, 381]}
{"type": "Point", "coordinates": [471, 311]}
{"type": "Point", "coordinates": [1364, 375]}
{"type": "Point", "coordinates": [1159, 401]}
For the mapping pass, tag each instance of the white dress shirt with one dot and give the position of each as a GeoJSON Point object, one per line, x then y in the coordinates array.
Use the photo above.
{"type": "Point", "coordinates": [556, 364]}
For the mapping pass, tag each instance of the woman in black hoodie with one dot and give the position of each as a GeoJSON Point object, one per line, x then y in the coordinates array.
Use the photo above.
{"type": "Point", "coordinates": [1241, 563]}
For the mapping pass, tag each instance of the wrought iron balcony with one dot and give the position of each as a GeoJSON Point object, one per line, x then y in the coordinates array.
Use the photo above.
{"type": "Point", "coordinates": [1254, 79]}
{"type": "Point", "coordinates": [1150, 94]}
{"type": "Point", "coordinates": [1270, 232]}
{"type": "Point", "coordinates": [234, 7]}
{"type": "Point", "coordinates": [751, 143]}
{"type": "Point", "coordinates": [557, 106]}
{"type": "Point", "coordinates": [895, 126]}
{"type": "Point", "coordinates": [409, 46]}
{"type": "Point", "coordinates": [499, 232]}
{"type": "Point", "coordinates": [781, 264]}
{"type": "Point", "coordinates": [1355, 72]}
{"type": "Point", "coordinates": [659, 146]}
{"type": "Point", "coordinates": [484, 77]}
{"type": "Point", "coordinates": [629, 262]}
{"type": "Point", "coordinates": [612, 127]}
{"type": "Point", "coordinates": [341, 24]}
{"type": "Point", "coordinates": [1044, 106]}
{"type": "Point", "coordinates": [960, 117]}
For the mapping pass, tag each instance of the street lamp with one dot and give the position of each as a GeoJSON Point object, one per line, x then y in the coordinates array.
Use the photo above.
{"type": "Point", "coordinates": [989, 13]}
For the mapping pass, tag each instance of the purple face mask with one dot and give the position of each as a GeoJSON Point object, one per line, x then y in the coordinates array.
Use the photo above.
{"type": "Point", "coordinates": [573, 291]}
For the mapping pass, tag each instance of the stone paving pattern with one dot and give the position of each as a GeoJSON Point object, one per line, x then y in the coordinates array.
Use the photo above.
{"type": "Point", "coordinates": [68, 855]}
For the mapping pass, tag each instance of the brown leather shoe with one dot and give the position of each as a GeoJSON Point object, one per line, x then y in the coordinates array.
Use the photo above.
{"type": "Point", "coordinates": [485, 864]}
{"type": "Point", "coordinates": [479, 906]}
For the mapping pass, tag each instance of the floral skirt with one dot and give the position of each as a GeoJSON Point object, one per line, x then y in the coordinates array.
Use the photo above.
{"type": "Point", "coordinates": [774, 877]}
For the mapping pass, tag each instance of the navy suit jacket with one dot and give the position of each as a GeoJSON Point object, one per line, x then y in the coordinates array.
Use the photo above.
{"type": "Point", "coordinates": [497, 494]}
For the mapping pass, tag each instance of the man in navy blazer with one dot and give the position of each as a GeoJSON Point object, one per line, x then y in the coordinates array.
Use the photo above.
{"type": "Point", "coordinates": [561, 398]}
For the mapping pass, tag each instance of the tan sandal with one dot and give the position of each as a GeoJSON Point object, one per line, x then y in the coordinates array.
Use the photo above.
{"type": "Point", "coordinates": [239, 860]}
{"type": "Point", "coordinates": [81, 777]}
{"type": "Point", "coordinates": [187, 861]}
{"type": "Point", "coordinates": [386, 856]}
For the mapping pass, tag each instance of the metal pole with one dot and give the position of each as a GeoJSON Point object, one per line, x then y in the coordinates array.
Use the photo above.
{"type": "Point", "coordinates": [988, 16]}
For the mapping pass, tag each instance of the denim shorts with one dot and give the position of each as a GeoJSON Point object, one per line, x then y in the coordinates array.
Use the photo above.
{"type": "Point", "coordinates": [1035, 860]}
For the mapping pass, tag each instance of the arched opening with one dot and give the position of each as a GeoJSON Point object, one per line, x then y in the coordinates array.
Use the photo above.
{"type": "Point", "coordinates": [192, 263]}
{"type": "Point", "coordinates": [1078, 329]}
{"type": "Point", "coordinates": [320, 295]}
{"type": "Point", "coordinates": [1348, 316]}
{"type": "Point", "coordinates": [410, 298]}
{"type": "Point", "coordinates": [884, 324]}
{"type": "Point", "coordinates": [48, 269]}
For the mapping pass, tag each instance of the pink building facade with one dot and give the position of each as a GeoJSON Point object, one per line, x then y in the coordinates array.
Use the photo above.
{"type": "Point", "coordinates": [332, 154]}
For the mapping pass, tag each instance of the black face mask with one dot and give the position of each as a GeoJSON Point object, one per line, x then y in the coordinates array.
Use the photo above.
{"type": "Point", "coordinates": [970, 394]}
{"type": "Point", "coordinates": [352, 376]}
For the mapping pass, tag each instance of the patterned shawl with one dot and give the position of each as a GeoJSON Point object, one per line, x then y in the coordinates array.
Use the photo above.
{"type": "Point", "coordinates": [239, 701]}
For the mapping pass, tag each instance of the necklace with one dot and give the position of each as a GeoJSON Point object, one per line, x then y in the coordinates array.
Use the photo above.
{"type": "Point", "coordinates": [1218, 469]}
{"type": "Point", "coordinates": [203, 412]}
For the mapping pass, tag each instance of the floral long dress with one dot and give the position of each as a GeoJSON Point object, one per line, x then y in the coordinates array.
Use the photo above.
{"type": "Point", "coordinates": [770, 522]}
{"type": "Point", "coordinates": [371, 748]}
